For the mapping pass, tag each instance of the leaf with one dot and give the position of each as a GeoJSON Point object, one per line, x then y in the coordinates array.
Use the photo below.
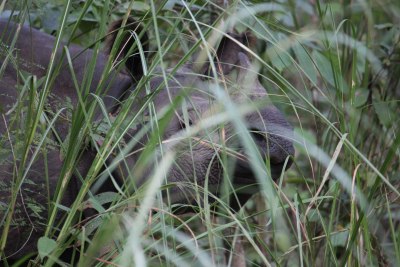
{"type": "Point", "coordinates": [313, 216]}
{"type": "Point", "coordinates": [324, 67]}
{"type": "Point", "coordinates": [50, 17]}
{"type": "Point", "coordinates": [382, 109]}
{"type": "Point", "coordinates": [137, 6]}
{"type": "Point", "coordinates": [339, 238]}
{"type": "Point", "coordinates": [46, 246]}
{"type": "Point", "coordinates": [278, 59]}
{"type": "Point", "coordinates": [383, 26]}
{"type": "Point", "coordinates": [361, 97]}
{"type": "Point", "coordinates": [282, 240]}
{"type": "Point", "coordinates": [99, 200]}
{"type": "Point", "coordinates": [305, 62]}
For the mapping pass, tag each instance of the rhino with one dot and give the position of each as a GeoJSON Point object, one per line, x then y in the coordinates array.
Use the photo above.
{"type": "Point", "coordinates": [26, 51]}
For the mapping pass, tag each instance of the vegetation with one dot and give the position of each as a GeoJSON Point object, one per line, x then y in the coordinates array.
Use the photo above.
{"type": "Point", "coordinates": [331, 66]}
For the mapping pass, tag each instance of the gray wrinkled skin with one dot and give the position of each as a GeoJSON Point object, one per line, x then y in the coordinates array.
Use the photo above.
{"type": "Point", "coordinates": [197, 156]}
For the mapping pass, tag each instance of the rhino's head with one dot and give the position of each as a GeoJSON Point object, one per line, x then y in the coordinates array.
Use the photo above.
{"type": "Point", "coordinates": [216, 105]}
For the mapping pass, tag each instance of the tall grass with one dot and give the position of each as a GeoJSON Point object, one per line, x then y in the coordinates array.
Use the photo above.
{"type": "Point", "coordinates": [332, 67]}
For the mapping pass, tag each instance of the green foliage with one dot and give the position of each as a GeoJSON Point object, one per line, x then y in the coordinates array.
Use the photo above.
{"type": "Point", "coordinates": [46, 246]}
{"type": "Point", "coordinates": [332, 67]}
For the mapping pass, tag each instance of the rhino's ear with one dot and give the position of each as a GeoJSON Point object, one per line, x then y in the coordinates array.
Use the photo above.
{"type": "Point", "coordinates": [230, 51]}
{"type": "Point", "coordinates": [128, 40]}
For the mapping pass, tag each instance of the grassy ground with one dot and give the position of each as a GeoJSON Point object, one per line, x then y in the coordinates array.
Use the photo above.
{"type": "Point", "coordinates": [332, 67]}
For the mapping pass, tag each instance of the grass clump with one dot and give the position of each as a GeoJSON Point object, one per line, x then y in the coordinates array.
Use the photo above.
{"type": "Point", "coordinates": [331, 67]}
